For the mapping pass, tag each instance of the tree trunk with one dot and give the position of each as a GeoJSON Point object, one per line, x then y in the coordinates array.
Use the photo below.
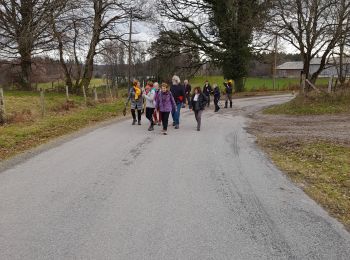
{"type": "Point", "coordinates": [239, 84]}
{"type": "Point", "coordinates": [26, 70]}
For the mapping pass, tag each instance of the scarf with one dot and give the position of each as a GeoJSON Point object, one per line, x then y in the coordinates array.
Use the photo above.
{"type": "Point", "coordinates": [137, 93]}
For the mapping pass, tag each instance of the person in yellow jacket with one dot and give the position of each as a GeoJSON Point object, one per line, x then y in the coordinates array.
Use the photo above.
{"type": "Point", "coordinates": [136, 99]}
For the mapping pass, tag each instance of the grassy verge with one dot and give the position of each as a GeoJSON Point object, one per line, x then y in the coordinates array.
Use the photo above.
{"type": "Point", "coordinates": [256, 84]}
{"type": "Point", "coordinates": [314, 105]}
{"type": "Point", "coordinates": [27, 129]}
{"type": "Point", "coordinates": [322, 169]}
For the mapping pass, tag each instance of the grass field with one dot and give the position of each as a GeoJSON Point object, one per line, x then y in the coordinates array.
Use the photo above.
{"type": "Point", "coordinates": [60, 83]}
{"type": "Point", "coordinates": [26, 128]}
{"type": "Point", "coordinates": [314, 105]}
{"type": "Point", "coordinates": [256, 84]}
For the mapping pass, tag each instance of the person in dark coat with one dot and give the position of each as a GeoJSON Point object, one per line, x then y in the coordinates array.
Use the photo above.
{"type": "Point", "coordinates": [188, 90]}
{"type": "Point", "coordinates": [217, 95]}
{"type": "Point", "coordinates": [228, 92]}
{"type": "Point", "coordinates": [207, 91]}
{"type": "Point", "coordinates": [178, 92]}
{"type": "Point", "coordinates": [198, 102]}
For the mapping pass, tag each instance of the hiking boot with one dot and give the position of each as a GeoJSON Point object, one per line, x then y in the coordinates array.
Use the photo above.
{"type": "Point", "coordinates": [133, 122]}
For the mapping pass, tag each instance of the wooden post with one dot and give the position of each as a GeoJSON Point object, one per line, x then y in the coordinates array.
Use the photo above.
{"type": "Point", "coordinates": [84, 93]}
{"type": "Point", "coordinates": [2, 107]}
{"type": "Point", "coordinates": [110, 92]}
{"type": "Point", "coordinates": [95, 94]}
{"type": "Point", "coordinates": [67, 93]}
{"type": "Point", "coordinates": [275, 63]}
{"type": "Point", "coordinates": [330, 84]}
{"type": "Point", "coordinates": [42, 102]}
{"type": "Point", "coordinates": [303, 83]}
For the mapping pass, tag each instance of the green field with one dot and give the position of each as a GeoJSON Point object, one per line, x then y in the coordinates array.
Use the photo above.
{"type": "Point", "coordinates": [256, 84]}
{"type": "Point", "coordinates": [60, 83]}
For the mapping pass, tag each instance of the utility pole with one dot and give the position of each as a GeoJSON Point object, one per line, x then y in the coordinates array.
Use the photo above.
{"type": "Point", "coordinates": [275, 63]}
{"type": "Point", "coordinates": [130, 33]}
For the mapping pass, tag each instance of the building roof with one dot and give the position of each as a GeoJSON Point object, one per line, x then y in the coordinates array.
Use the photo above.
{"type": "Point", "coordinates": [298, 65]}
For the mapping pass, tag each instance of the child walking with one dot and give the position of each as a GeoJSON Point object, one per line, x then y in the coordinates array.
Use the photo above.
{"type": "Point", "coordinates": [149, 95]}
{"type": "Point", "coordinates": [165, 103]}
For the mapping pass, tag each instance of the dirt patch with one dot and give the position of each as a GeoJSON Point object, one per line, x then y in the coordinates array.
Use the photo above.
{"type": "Point", "coordinates": [314, 151]}
{"type": "Point", "coordinates": [333, 128]}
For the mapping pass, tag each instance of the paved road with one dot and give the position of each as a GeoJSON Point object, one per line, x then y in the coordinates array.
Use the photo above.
{"type": "Point", "coordinates": [120, 192]}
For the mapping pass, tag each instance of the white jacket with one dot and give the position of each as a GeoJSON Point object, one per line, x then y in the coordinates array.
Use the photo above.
{"type": "Point", "coordinates": [150, 98]}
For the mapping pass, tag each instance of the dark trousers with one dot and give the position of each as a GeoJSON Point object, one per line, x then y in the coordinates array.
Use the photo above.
{"type": "Point", "coordinates": [198, 115]}
{"type": "Point", "coordinates": [188, 98]}
{"type": "Point", "coordinates": [133, 113]}
{"type": "Point", "coordinates": [149, 114]}
{"type": "Point", "coordinates": [208, 97]}
{"type": "Point", "coordinates": [165, 119]}
{"type": "Point", "coordinates": [228, 98]}
{"type": "Point", "coordinates": [216, 103]}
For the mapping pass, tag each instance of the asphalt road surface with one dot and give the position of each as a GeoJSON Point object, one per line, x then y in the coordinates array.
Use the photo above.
{"type": "Point", "coordinates": [120, 192]}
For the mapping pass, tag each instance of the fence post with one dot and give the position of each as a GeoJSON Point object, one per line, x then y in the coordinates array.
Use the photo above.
{"type": "Point", "coordinates": [84, 93]}
{"type": "Point", "coordinates": [303, 83]}
{"type": "Point", "coordinates": [330, 84]}
{"type": "Point", "coordinates": [95, 95]}
{"type": "Point", "coordinates": [2, 107]}
{"type": "Point", "coordinates": [42, 102]}
{"type": "Point", "coordinates": [67, 93]}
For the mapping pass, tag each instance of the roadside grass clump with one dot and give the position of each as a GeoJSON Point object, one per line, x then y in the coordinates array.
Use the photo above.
{"type": "Point", "coordinates": [321, 168]}
{"type": "Point", "coordinates": [314, 104]}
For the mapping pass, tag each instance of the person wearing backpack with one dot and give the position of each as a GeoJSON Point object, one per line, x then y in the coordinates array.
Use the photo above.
{"type": "Point", "coordinates": [178, 92]}
{"type": "Point", "coordinates": [149, 96]}
{"type": "Point", "coordinates": [165, 103]}
{"type": "Point", "coordinates": [198, 103]}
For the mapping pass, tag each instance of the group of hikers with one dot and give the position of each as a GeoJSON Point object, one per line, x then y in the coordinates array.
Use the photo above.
{"type": "Point", "coordinates": [163, 100]}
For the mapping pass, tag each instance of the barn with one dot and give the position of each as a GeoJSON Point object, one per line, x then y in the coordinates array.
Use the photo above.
{"type": "Point", "coordinates": [294, 68]}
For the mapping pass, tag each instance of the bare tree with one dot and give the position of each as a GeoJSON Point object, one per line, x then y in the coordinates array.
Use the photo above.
{"type": "Point", "coordinates": [314, 27]}
{"type": "Point", "coordinates": [24, 31]}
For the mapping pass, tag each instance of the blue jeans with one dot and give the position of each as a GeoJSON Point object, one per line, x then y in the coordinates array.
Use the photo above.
{"type": "Point", "coordinates": [176, 115]}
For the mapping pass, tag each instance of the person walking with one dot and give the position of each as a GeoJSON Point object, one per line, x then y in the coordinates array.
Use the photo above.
{"type": "Point", "coordinates": [178, 92]}
{"type": "Point", "coordinates": [156, 114]}
{"type": "Point", "coordinates": [217, 95]}
{"type": "Point", "coordinates": [228, 92]}
{"type": "Point", "coordinates": [207, 90]}
{"type": "Point", "coordinates": [198, 103]}
{"type": "Point", "coordinates": [188, 90]}
{"type": "Point", "coordinates": [149, 96]}
{"type": "Point", "coordinates": [135, 97]}
{"type": "Point", "coordinates": [165, 103]}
